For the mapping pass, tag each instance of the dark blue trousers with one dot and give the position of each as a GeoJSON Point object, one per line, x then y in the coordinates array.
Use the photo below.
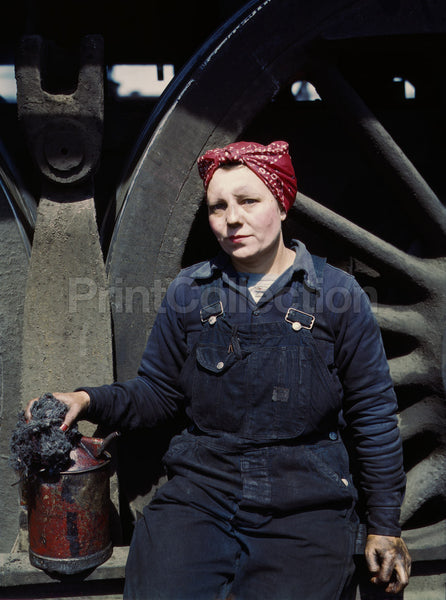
{"type": "Point", "coordinates": [203, 538]}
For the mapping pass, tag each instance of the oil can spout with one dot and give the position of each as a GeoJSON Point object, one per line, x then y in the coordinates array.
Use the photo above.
{"type": "Point", "coordinates": [106, 442]}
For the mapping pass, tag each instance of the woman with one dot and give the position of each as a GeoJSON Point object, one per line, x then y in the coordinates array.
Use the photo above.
{"type": "Point", "coordinates": [270, 352]}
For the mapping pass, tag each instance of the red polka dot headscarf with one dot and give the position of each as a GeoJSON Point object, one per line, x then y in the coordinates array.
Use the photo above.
{"type": "Point", "coordinates": [271, 163]}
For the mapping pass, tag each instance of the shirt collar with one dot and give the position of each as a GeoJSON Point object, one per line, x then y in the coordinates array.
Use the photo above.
{"type": "Point", "coordinates": [208, 268]}
{"type": "Point", "coordinates": [303, 263]}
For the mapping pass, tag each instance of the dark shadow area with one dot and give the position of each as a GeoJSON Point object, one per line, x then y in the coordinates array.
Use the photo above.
{"type": "Point", "coordinates": [431, 512]}
{"type": "Point", "coordinates": [140, 466]}
{"type": "Point", "coordinates": [331, 166]}
{"type": "Point", "coordinates": [201, 243]}
{"type": "Point", "coordinates": [419, 447]}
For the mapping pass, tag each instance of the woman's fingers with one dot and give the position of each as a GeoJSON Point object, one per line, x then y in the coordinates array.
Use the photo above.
{"type": "Point", "coordinates": [28, 415]}
{"type": "Point", "coordinates": [77, 403]}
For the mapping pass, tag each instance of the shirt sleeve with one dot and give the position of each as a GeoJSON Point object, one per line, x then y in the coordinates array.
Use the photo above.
{"type": "Point", "coordinates": [370, 409]}
{"type": "Point", "coordinates": [153, 396]}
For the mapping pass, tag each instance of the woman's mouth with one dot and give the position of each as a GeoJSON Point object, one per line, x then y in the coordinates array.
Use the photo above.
{"type": "Point", "coordinates": [235, 239]}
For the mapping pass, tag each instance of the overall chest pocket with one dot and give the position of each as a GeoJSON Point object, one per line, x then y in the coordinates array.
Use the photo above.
{"type": "Point", "coordinates": [218, 399]}
{"type": "Point", "coordinates": [214, 359]}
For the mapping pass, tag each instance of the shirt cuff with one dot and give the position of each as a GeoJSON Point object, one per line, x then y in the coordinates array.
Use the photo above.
{"type": "Point", "coordinates": [94, 410]}
{"type": "Point", "coordinates": [383, 521]}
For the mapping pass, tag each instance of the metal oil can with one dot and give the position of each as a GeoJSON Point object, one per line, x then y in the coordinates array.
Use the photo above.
{"type": "Point", "coordinates": [69, 514]}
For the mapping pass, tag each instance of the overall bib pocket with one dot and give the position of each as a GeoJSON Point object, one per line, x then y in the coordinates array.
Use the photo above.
{"type": "Point", "coordinates": [280, 378]}
{"type": "Point", "coordinates": [217, 406]}
{"type": "Point", "coordinates": [257, 383]}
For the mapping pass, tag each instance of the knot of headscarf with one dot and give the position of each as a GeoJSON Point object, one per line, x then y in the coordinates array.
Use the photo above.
{"type": "Point", "coordinates": [271, 163]}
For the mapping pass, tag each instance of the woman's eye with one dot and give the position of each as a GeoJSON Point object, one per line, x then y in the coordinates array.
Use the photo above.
{"type": "Point", "coordinates": [249, 201]}
{"type": "Point", "coordinates": [213, 208]}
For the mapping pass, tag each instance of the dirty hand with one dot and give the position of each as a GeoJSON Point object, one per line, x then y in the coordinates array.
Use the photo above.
{"type": "Point", "coordinates": [388, 561]}
{"type": "Point", "coordinates": [77, 403]}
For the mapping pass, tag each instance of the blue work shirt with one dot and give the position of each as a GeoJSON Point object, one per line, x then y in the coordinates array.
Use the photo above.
{"type": "Point", "coordinates": [346, 335]}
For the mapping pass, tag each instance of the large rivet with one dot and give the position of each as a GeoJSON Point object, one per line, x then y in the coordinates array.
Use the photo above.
{"type": "Point", "coordinates": [212, 320]}
{"type": "Point", "coordinates": [220, 365]}
{"type": "Point", "coordinates": [296, 326]}
{"type": "Point", "coordinates": [345, 482]}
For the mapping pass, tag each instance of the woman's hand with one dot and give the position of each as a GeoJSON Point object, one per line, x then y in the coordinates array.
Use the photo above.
{"type": "Point", "coordinates": [388, 561]}
{"type": "Point", "coordinates": [77, 403]}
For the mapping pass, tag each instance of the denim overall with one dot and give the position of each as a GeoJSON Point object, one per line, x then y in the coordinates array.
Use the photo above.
{"type": "Point", "coordinates": [259, 502]}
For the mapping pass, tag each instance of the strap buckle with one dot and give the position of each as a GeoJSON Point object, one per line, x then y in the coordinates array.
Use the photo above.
{"type": "Point", "coordinates": [306, 321]}
{"type": "Point", "coordinates": [211, 312]}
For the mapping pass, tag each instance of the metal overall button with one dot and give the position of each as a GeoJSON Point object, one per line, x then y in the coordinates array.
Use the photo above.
{"type": "Point", "coordinates": [211, 313]}
{"type": "Point", "coordinates": [215, 359]}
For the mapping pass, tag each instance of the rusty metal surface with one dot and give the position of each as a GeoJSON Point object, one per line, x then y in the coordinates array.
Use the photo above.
{"type": "Point", "coordinates": [69, 514]}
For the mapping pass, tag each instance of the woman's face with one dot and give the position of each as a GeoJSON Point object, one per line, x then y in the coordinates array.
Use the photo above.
{"type": "Point", "coordinates": [245, 217]}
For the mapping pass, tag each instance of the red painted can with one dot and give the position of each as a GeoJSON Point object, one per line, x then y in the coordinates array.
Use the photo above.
{"type": "Point", "coordinates": [69, 515]}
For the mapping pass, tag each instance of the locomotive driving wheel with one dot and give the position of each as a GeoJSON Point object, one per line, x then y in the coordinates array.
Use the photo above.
{"type": "Point", "coordinates": [368, 158]}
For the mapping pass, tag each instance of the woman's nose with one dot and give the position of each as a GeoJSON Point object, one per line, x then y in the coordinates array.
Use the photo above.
{"type": "Point", "coordinates": [233, 214]}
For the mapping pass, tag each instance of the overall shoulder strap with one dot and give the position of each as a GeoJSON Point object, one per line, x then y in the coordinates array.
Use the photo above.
{"type": "Point", "coordinates": [302, 313]}
{"type": "Point", "coordinates": [211, 296]}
